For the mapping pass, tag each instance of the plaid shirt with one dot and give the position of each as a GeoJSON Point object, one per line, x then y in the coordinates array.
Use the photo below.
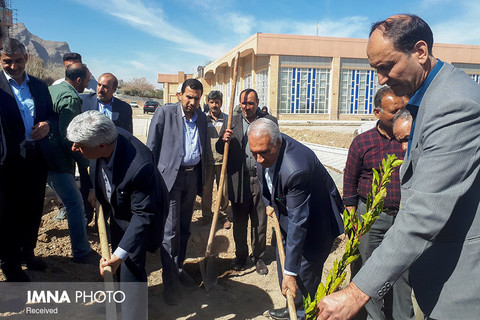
{"type": "Point", "coordinates": [366, 152]}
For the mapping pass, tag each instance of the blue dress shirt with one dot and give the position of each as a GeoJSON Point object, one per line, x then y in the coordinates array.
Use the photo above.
{"type": "Point", "coordinates": [191, 143]}
{"type": "Point", "coordinates": [416, 100]}
{"type": "Point", "coordinates": [106, 109]}
{"type": "Point", "coordinates": [25, 102]}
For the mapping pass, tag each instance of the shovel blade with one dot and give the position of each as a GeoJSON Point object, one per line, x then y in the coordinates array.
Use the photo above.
{"type": "Point", "coordinates": [208, 269]}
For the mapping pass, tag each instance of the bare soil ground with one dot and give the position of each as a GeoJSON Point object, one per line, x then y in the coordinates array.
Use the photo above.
{"type": "Point", "coordinates": [238, 295]}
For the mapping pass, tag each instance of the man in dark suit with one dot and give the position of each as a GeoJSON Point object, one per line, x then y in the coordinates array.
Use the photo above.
{"type": "Point", "coordinates": [436, 234]}
{"type": "Point", "coordinates": [307, 205]}
{"type": "Point", "coordinates": [27, 115]}
{"type": "Point", "coordinates": [129, 187]}
{"type": "Point", "coordinates": [116, 110]}
{"type": "Point", "coordinates": [177, 138]}
{"type": "Point", "coordinates": [243, 189]}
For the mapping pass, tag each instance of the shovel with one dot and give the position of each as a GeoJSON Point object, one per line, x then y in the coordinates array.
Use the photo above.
{"type": "Point", "coordinates": [208, 266]}
{"type": "Point", "coordinates": [281, 254]}
{"type": "Point", "coordinates": [107, 275]}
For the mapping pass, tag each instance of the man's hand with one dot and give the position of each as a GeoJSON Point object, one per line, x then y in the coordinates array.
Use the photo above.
{"type": "Point", "coordinates": [227, 135]}
{"type": "Point", "coordinates": [92, 199]}
{"type": "Point", "coordinates": [114, 262]}
{"type": "Point", "coordinates": [342, 305]}
{"type": "Point", "coordinates": [289, 282]}
{"type": "Point", "coordinates": [40, 130]}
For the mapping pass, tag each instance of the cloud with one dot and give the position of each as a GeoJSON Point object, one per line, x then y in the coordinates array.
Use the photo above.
{"type": "Point", "coordinates": [240, 24]}
{"type": "Point", "coordinates": [152, 20]}
{"type": "Point", "coordinates": [344, 27]}
{"type": "Point", "coordinates": [462, 28]}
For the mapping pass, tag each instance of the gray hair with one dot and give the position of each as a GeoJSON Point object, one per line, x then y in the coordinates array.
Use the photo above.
{"type": "Point", "coordinates": [264, 126]}
{"type": "Point", "coordinates": [92, 128]}
{"type": "Point", "coordinates": [12, 46]}
{"type": "Point", "coordinates": [403, 114]}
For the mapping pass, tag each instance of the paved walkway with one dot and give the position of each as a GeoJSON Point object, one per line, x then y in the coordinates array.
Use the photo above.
{"type": "Point", "coordinates": [333, 159]}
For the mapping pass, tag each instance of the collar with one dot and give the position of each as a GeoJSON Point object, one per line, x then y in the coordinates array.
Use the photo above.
{"type": "Point", "coordinates": [380, 133]}
{"type": "Point", "coordinates": [192, 119]}
{"type": "Point", "coordinates": [256, 116]}
{"type": "Point", "coordinates": [220, 116]}
{"type": "Point", "coordinates": [110, 162]}
{"type": "Point", "coordinates": [418, 96]}
{"type": "Point", "coordinates": [9, 77]}
{"type": "Point", "coordinates": [72, 88]}
{"type": "Point", "coordinates": [106, 104]}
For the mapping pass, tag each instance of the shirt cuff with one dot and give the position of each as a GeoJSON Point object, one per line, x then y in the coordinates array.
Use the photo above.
{"type": "Point", "coordinates": [289, 273]}
{"type": "Point", "coordinates": [350, 201]}
{"type": "Point", "coordinates": [122, 254]}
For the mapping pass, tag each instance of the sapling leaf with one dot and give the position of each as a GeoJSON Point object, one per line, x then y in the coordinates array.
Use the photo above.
{"type": "Point", "coordinates": [355, 229]}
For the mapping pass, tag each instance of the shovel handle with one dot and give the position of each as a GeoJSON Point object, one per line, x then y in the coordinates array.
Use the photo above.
{"type": "Point", "coordinates": [221, 184]}
{"type": "Point", "coordinates": [281, 253]}
{"type": "Point", "coordinates": [105, 248]}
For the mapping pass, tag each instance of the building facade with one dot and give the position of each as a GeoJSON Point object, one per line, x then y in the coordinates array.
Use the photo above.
{"type": "Point", "coordinates": [310, 77]}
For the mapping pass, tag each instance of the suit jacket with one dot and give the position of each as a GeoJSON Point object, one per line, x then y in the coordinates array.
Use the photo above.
{"type": "Point", "coordinates": [138, 202]}
{"type": "Point", "coordinates": [121, 111]}
{"type": "Point", "coordinates": [165, 139]}
{"type": "Point", "coordinates": [306, 202]}
{"type": "Point", "coordinates": [67, 104]}
{"type": "Point", "coordinates": [437, 230]}
{"type": "Point", "coordinates": [236, 156]}
{"type": "Point", "coordinates": [3, 146]}
{"type": "Point", "coordinates": [14, 128]}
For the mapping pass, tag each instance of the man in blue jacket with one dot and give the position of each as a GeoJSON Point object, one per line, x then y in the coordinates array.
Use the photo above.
{"type": "Point", "coordinates": [307, 205]}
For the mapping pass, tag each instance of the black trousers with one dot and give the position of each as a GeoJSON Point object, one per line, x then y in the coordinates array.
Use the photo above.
{"type": "Point", "coordinates": [308, 279]}
{"type": "Point", "coordinates": [253, 208]}
{"type": "Point", "coordinates": [177, 225]}
{"type": "Point", "coordinates": [23, 189]}
{"type": "Point", "coordinates": [133, 278]}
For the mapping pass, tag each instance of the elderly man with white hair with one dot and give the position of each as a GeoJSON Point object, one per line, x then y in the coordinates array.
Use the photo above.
{"type": "Point", "coordinates": [131, 190]}
{"type": "Point", "coordinates": [307, 205]}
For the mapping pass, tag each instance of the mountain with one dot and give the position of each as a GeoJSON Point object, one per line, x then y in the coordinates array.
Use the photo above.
{"type": "Point", "coordinates": [48, 51]}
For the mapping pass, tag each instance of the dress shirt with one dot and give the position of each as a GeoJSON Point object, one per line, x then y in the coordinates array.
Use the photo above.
{"type": "Point", "coordinates": [269, 179]}
{"type": "Point", "coordinates": [25, 102]}
{"type": "Point", "coordinates": [366, 153]}
{"type": "Point", "coordinates": [191, 141]}
{"type": "Point", "coordinates": [106, 109]}
{"type": "Point", "coordinates": [3, 146]}
{"type": "Point", "coordinates": [418, 96]}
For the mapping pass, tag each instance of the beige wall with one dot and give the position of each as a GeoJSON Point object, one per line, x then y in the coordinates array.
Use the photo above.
{"type": "Point", "coordinates": [261, 51]}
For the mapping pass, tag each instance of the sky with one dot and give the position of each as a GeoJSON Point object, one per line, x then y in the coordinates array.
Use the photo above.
{"type": "Point", "coordinates": [141, 38]}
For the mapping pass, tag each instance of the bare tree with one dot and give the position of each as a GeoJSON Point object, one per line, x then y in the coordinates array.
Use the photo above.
{"type": "Point", "coordinates": [141, 87]}
{"type": "Point", "coordinates": [139, 84]}
{"type": "Point", "coordinates": [36, 67]}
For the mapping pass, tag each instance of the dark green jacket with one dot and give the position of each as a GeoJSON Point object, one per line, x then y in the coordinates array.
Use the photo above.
{"type": "Point", "coordinates": [67, 103]}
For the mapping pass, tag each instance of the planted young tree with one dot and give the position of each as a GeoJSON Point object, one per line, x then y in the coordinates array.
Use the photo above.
{"type": "Point", "coordinates": [355, 228]}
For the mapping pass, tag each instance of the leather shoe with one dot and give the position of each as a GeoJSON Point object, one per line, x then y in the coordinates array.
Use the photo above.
{"type": "Point", "coordinates": [238, 263]}
{"type": "Point", "coordinates": [90, 258]}
{"type": "Point", "coordinates": [279, 314]}
{"type": "Point", "coordinates": [186, 279]}
{"type": "Point", "coordinates": [261, 267]}
{"type": "Point", "coordinates": [34, 263]}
